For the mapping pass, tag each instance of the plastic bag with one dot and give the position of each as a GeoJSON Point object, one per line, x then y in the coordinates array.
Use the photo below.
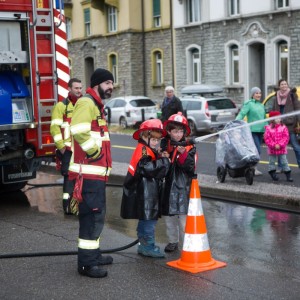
{"type": "Point", "coordinates": [236, 147]}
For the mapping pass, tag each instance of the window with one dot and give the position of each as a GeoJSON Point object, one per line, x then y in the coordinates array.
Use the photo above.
{"type": "Point", "coordinates": [113, 66]}
{"type": "Point", "coordinates": [283, 59]}
{"type": "Point", "coordinates": [234, 64]}
{"type": "Point", "coordinates": [156, 13]}
{"type": "Point", "coordinates": [158, 68]}
{"type": "Point", "coordinates": [282, 3]}
{"type": "Point", "coordinates": [196, 65]}
{"type": "Point", "coordinates": [193, 60]}
{"type": "Point", "coordinates": [68, 28]}
{"type": "Point", "coordinates": [193, 11]}
{"type": "Point", "coordinates": [87, 22]}
{"type": "Point", "coordinates": [112, 18]}
{"type": "Point", "coordinates": [234, 7]}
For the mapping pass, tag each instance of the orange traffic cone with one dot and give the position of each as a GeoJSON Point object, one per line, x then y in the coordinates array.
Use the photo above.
{"type": "Point", "coordinates": [195, 256]}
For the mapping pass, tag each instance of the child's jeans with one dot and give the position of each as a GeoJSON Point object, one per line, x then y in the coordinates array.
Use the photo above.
{"type": "Point", "coordinates": [146, 229]}
{"type": "Point", "coordinates": [282, 162]}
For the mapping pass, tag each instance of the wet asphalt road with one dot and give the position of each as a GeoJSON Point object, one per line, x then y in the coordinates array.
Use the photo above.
{"type": "Point", "coordinates": [261, 249]}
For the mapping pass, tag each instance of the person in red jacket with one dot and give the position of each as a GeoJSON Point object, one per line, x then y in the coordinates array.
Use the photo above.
{"type": "Point", "coordinates": [142, 186]}
{"type": "Point", "coordinates": [179, 178]}
{"type": "Point", "coordinates": [276, 138]}
{"type": "Point", "coordinates": [92, 160]}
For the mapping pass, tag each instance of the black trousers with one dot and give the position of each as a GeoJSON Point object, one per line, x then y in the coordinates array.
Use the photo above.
{"type": "Point", "coordinates": [92, 211]}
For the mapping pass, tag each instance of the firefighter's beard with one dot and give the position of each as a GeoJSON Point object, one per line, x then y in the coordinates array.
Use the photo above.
{"type": "Point", "coordinates": [104, 94]}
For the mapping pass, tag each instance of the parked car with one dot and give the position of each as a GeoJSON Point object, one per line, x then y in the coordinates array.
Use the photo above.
{"type": "Point", "coordinates": [130, 110]}
{"type": "Point", "coordinates": [201, 89]}
{"type": "Point", "coordinates": [207, 114]}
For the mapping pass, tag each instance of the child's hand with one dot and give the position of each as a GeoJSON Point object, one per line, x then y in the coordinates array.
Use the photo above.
{"type": "Point", "coordinates": [277, 147]}
{"type": "Point", "coordinates": [165, 154]}
{"type": "Point", "coordinates": [181, 149]}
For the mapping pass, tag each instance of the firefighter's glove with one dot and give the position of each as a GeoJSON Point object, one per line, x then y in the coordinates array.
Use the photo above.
{"type": "Point", "coordinates": [74, 207]}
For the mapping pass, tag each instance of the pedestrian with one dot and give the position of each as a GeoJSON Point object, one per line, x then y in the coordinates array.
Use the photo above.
{"type": "Point", "coordinates": [171, 104]}
{"type": "Point", "coordinates": [286, 101]}
{"type": "Point", "coordinates": [60, 131]}
{"type": "Point", "coordinates": [179, 178]}
{"type": "Point", "coordinates": [276, 138]}
{"type": "Point", "coordinates": [254, 110]}
{"type": "Point", "coordinates": [142, 186]}
{"type": "Point", "coordinates": [92, 160]}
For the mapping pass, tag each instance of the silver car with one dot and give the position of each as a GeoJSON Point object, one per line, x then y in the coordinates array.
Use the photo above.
{"type": "Point", "coordinates": [207, 114]}
{"type": "Point", "coordinates": [130, 110]}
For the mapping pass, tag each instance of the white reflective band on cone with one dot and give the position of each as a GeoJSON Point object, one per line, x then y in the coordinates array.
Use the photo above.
{"type": "Point", "coordinates": [88, 244]}
{"type": "Point", "coordinates": [195, 242]}
{"type": "Point", "coordinates": [195, 207]}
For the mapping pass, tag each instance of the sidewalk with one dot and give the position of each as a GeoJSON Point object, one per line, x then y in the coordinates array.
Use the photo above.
{"type": "Point", "coordinates": [266, 194]}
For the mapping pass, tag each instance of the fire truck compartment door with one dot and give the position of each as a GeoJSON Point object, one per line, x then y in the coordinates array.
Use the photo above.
{"type": "Point", "coordinates": [5, 108]}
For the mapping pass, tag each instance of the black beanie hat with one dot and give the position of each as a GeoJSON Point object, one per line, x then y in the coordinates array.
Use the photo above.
{"type": "Point", "coordinates": [99, 76]}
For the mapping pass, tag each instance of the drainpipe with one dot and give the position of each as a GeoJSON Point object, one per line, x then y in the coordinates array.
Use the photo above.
{"type": "Point", "coordinates": [143, 48]}
{"type": "Point", "coordinates": [172, 45]}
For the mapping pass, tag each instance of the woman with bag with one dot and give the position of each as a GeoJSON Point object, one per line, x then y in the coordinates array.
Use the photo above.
{"type": "Point", "coordinates": [286, 101]}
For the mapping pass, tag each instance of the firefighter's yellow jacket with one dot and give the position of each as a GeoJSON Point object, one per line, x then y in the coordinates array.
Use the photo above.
{"type": "Point", "coordinates": [60, 123]}
{"type": "Point", "coordinates": [91, 142]}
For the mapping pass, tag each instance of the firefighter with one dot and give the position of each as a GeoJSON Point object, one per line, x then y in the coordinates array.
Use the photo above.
{"type": "Point", "coordinates": [60, 130]}
{"type": "Point", "coordinates": [92, 160]}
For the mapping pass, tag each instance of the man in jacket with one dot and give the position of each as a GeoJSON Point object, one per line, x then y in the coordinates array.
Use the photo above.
{"type": "Point", "coordinates": [60, 131]}
{"type": "Point", "coordinates": [171, 104]}
{"type": "Point", "coordinates": [92, 159]}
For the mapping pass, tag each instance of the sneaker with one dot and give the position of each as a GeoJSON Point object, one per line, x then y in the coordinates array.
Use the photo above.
{"type": "Point", "coordinates": [92, 271]}
{"type": "Point", "coordinates": [105, 260]}
{"type": "Point", "coordinates": [257, 172]}
{"type": "Point", "coordinates": [150, 252]}
{"type": "Point", "coordinates": [171, 247]}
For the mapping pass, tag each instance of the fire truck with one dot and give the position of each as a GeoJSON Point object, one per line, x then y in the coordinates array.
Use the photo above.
{"type": "Point", "coordinates": [34, 72]}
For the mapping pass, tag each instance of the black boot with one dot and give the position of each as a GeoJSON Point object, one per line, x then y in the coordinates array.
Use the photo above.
{"type": "Point", "coordinates": [288, 176]}
{"type": "Point", "coordinates": [273, 175]}
{"type": "Point", "coordinates": [92, 271]}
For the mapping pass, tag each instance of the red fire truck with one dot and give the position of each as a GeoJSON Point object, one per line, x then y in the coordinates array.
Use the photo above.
{"type": "Point", "coordinates": [34, 72]}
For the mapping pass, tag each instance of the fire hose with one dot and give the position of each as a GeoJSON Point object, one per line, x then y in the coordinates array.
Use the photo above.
{"type": "Point", "coordinates": [188, 141]}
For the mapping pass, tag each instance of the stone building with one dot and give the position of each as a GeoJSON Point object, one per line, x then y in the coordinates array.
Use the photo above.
{"type": "Point", "coordinates": [132, 38]}
{"type": "Point", "coordinates": [237, 44]}
{"type": "Point", "coordinates": [149, 44]}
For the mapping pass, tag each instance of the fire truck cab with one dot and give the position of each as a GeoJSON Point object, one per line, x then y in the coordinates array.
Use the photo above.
{"type": "Point", "coordinates": [29, 87]}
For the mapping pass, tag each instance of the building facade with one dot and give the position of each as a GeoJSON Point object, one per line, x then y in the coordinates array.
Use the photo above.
{"type": "Point", "coordinates": [131, 38]}
{"type": "Point", "coordinates": [237, 44]}
{"type": "Point", "coordinates": [149, 44]}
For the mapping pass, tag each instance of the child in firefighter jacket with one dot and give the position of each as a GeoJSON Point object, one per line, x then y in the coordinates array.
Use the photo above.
{"type": "Point", "coordinates": [142, 186]}
{"type": "Point", "coordinates": [178, 181]}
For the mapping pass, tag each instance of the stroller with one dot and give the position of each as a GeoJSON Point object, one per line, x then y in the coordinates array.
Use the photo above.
{"type": "Point", "coordinates": [236, 153]}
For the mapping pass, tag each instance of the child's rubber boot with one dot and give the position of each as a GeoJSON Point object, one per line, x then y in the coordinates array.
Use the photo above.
{"type": "Point", "coordinates": [273, 175]}
{"type": "Point", "coordinates": [288, 176]}
{"type": "Point", "coordinates": [148, 248]}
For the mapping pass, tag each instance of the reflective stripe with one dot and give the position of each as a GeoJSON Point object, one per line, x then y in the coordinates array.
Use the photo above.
{"type": "Point", "coordinates": [89, 144]}
{"type": "Point", "coordinates": [65, 125]}
{"type": "Point", "coordinates": [67, 133]}
{"type": "Point", "coordinates": [195, 242]}
{"type": "Point", "coordinates": [195, 207]}
{"type": "Point", "coordinates": [68, 144]}
{"type": "Point", "coordinates": [131, 168]}
{"type": "Point", "coordinates": [88, 244]}
{"type": "Point", "coordinates": [66, 196]}
{"type": "Point", "coordinates": [57, 138]}
{"type": "Point", "coordinates": [56, 122]}
{"type": "Point", "coordinates": [90, 169]}
{"type": "Point", "coordinates": [81, 127]}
